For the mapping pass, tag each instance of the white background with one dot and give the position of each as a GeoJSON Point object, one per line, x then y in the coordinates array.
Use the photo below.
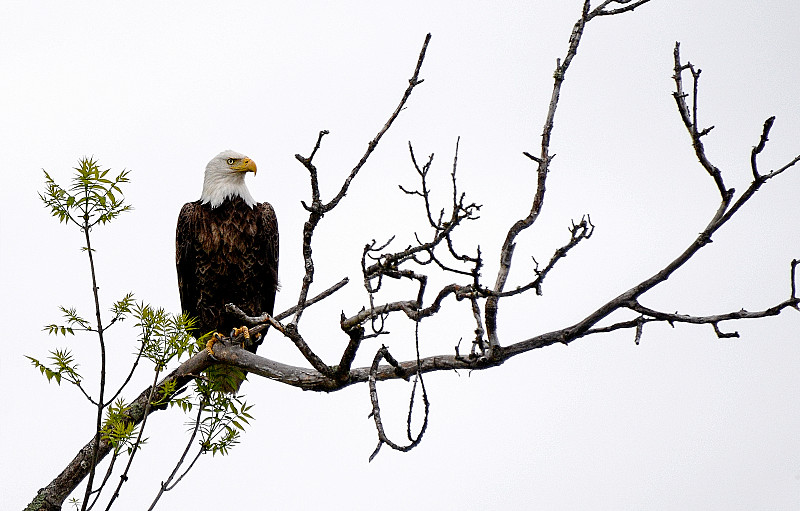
{"type": "Point", "coordinates": [683, 421]}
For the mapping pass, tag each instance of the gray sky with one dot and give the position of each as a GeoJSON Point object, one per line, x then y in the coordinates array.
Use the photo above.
{"type": "Point", "coordinates": [683, 421]}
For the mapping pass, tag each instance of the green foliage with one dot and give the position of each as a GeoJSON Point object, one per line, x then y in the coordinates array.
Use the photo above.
{"type": "Point", "coordinates": [220, 428]}
{"type": "Point", "coordinates": [122, 308]}
{"type": "Point", "coordinates": [164, 336]}
{"type": "Point", "coordinates": [63, 366]}
{"type": "Point", "coordinates": [221, 378]}
{"type": "Point", "coordinates": [119, 429]}
{"type": "Point", "coordinates": [73, 320]}
{"type": "Point", "coordinates": [184, 403]}
{"type": "Point", "coordinates": [92, 198]}
{"type": "Point", "coordinates": [164, 393]}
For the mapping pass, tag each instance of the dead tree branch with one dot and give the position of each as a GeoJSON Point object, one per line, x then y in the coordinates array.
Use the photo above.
{"type": "Point", "coordinates": [438, 247]}
{"type": "Point", "coordinates": [543, 162]}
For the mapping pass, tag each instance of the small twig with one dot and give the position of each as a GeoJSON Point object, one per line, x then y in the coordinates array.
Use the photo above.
{"type": "Point", "coordinates": [479, 330]}
{"type": "Point", "coordinates": [762, 142]}
{"type": "Point", "coordinates": [383, 353]}
{"type": "Point", "coordinates": [723, 335]}
{"type": "Point", "coordinates": [601, 9]}
{"type": "Point", "coordinates": [165, 486]}
{"type": "Point", "coordinates": [255, 320]}
{"type": "Point", "coordinates": [97, 491]}
{"type": "Point", "coordinates": [639, 324]}
{"type": "Point", "coordinates": [647, 315]}
{"type": "Point", "coordinates": [85, 394]}
{"type": "Point", "coordinates": [690, 120]}
{"type": "Point", "coordinates": [578, 232]}
{"type": "Point", "coordinates": [128, 378]}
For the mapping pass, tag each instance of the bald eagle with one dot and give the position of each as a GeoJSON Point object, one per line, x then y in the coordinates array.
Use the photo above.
{"type": "Point", "coordinates": [226, 248]}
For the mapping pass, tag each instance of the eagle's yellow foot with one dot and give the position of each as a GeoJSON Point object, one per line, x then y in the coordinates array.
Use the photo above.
{"type": "Point", "coordinates": [241, 330]}
{"type": "Point", "coordinates": [211, 342]}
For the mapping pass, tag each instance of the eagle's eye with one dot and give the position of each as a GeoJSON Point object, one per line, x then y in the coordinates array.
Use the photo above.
{"type": "Point", "coordinates": [230, 161]}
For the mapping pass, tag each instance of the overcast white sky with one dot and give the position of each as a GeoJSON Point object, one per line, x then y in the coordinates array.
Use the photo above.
{"type": "Point", "coordinates": [683, 421]}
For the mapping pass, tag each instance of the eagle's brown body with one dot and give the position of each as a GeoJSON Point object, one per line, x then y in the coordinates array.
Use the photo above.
{"type": "Point", "coordinates": [227, 254]}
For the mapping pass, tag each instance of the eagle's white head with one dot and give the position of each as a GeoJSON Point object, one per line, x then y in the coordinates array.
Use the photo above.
{"type": "Point", "coordinates": [224, 178]}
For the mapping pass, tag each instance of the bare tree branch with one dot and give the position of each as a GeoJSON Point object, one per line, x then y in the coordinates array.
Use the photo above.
{"type": "Point", "coordinates": [629, 6]}
{"type": "Point", "coordinates": [690, 119]}
{"type": "Point", "coordinates": [543, 163]}
{"type": "Point", "coordinates": [383, 353]}
{"type": "Point", "coordinates": [411, 262]}
{"type": "Point", "coordinates": [317, 209]}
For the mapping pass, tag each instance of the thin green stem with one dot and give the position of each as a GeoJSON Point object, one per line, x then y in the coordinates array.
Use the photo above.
{"type": "Point", "coordinates": [99, 422]}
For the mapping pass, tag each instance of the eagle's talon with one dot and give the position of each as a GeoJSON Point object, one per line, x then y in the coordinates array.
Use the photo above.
{"type": "Point", "coordinates": [211, 342]}
{"type": "Point", "coordinates": [244, 331]}
{"type": "Point", "coordinates": [241, 330]}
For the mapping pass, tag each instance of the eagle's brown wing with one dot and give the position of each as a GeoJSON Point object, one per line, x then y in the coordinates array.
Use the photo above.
{"type": "Point", "coordinates": [227, 254]}
{"type": "Point", "coordinates": [185, 259]}
{"type": "Point", "coordinates": [268, 238]}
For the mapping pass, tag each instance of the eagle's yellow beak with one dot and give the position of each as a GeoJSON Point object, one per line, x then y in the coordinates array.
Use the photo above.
{"type": "Point", "coordinates": [245, 165]}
